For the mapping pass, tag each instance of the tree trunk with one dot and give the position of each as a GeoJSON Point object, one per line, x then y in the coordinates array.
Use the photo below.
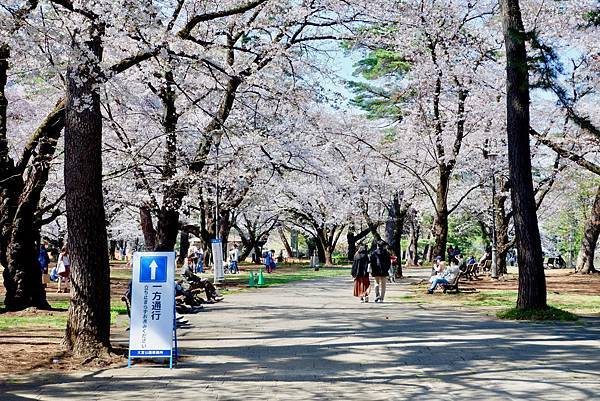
{"type": "Point", "coordinates": [252, 240]}
{"type": "Point", "coordinates": [248, 243]}
{"type": "Point", "coordinates": [167, 229]}
{"type": "Point", "coordinates": [395, 224]}
{"type": "Point", "coordinates": [532, 282]}
{"type": "Point", "coordinates": [20, 216]}
{"type": "Point", "coordinates": [321, 250]}
{"type": "Point", "coordinates": [326, 239]}
{"type": "Point", "coordinates": [440, 222]}
{"type": "Point", "coordinates": [224, 229]}
{"type": "Point", "coordinates": [440, 233]}
{"type": "Point", "coordinates": [167, 226]}
{"type": "Point", "coordinates": [428, 250]}
{"type": "Point", "coordinates": [4, 65]}
{"type": "Point", "coordinates": [11, 180]}
{"type": "Point", "coordinates": [257, 253]}
{"type": "Point", "coordinates": [23, 277]}
{"type": "Point", "coordinates": [88, 325]}
{"type": "Point", "coordinates": [184, 245]}
{"type": "Point", "coordinates": [351, 240]}
{"type": "Point", "coordinates": [502, 240]}
{"type": "Point", "coordinates": [413, 241]}
{"type": "Point", "coordinates": [112, 248]}
{"type": "Point", "coordinates": [585, 258]}
{"type": "Point", "coordinates": [247, 247]}
{"type": "Point", "coordinates": [147, 228]}
{"type": "Point", "coordinates": [284, 240]}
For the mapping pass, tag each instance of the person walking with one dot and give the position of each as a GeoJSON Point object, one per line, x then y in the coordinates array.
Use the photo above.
{"type": "Point", "coordinates": [234, 256]}
{"type": "Point", "coordinates": [360, 273]}
{"type": "Point", "coordinates": [44, 261]}
{"type": "Point", "coordinates": [381, 261]}
{"type": "Point", "coordinates": [64, 269]}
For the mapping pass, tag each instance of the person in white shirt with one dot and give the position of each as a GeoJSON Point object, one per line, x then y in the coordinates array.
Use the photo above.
{"type": "Point", "coordinates": [234, 256]}
{"type": "Point", "coordinates": [447, 276]}
{"type": "Point", "coordinates": [63, 269]}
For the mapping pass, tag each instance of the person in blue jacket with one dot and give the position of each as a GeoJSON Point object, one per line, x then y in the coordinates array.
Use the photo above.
{"type": "Point", "coordinates": [270, 261]}
{"type": "Point", "coordinates": [43, 259]}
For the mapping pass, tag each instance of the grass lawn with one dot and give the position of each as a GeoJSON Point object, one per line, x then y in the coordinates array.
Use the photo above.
{"type": "Point", "coordinates": [54, 321]}
{"type": "Point", "coordinates": [120, 273]}
{"type": "Point", "coordinates": [282, 275]}
{"type": "Point", "coordinates": [235, 283]}
{"type": "Point", "coordinates": [577, 304]}
{"type": "Point", "coordinates": [51, 319]}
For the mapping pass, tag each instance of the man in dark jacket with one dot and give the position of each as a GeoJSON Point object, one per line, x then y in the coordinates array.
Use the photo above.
{"type": "Point", "coordinates": [380, 269]}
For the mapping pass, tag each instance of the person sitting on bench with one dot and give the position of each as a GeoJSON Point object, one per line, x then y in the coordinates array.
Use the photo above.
{"type": "Point", "coordinates": [438, 266]}
{"type": "Point", "coordinates": [448, 276]}
{"type": "Point", "coordinates": [196, 282]}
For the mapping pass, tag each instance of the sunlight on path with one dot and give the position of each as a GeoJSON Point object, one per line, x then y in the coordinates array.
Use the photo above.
{"type": "Point", "coordinates": [313, 341]}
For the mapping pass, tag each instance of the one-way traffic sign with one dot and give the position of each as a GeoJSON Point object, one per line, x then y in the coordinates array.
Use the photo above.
{"type": "Point", "coordinates": [153, 269]}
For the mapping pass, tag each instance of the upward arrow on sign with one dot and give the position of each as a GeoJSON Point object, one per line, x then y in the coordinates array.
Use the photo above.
{"type": "Point", "coordinates": [153, 267]}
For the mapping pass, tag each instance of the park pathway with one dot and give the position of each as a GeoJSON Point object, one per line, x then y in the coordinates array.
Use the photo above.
{"type": "Point", "coordinates": [313, 341]}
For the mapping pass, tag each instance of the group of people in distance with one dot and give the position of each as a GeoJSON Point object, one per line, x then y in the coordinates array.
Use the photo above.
{"type": "Point", "coordinates": [377, 264]}
{"type": "Point", "coordinates": [442, 274]}
{"type": "Point", "coordinates": [61, 272]}
{"type": "Point", "coordinates": [195, 260]}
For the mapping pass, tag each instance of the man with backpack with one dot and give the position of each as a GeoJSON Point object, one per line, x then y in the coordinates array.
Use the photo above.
{"type": "Point", "coordinates": [380, 267]}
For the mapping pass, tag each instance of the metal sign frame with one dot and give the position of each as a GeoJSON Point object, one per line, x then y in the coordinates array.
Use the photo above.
{"type": "Point", "coordinates": [217, 251]}
{"type": "Point", "coordinates": [153, 297]}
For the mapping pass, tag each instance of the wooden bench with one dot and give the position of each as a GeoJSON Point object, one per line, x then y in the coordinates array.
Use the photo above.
{"type": "Point", "coordinates": [453, 285]}
{"type": "Point", "coordinates": [486, 266]}
{"type": "Point", "coordinates": [471, 271]}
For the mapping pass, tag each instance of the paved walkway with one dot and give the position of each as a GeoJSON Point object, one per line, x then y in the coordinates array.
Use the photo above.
{"type": "Point", "coordinates": [314, 341]}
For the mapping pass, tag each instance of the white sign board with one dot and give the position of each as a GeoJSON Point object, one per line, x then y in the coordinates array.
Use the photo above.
{"type": "Point", "coordinates": [217, 251]}
{"type": "Point", "coordinates": [152, 305]}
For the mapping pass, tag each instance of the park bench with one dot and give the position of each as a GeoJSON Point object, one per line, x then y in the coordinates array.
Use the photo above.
{"type": "Point", "coordinates": [471, 271]}
{"type": "Point", "coordinates": [453, 285]}
{"type": "Point", "coordinates": [487, 266]}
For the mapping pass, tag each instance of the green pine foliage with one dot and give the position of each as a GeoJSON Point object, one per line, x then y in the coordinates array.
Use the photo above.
{"type": "Point", "coordinates": [382, 63]}
{"type": "Point", "coordinates": [592, 18]}
{"type": "Point", "coordinates": [376, 101]}
{"type": "Point", "coordinates": [380, 93]}
{"type": "Point", "coordinates": [567, 224]}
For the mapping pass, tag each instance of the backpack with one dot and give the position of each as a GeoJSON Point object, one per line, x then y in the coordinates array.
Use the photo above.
{"type": "Point", "coordinates": [54, 274]}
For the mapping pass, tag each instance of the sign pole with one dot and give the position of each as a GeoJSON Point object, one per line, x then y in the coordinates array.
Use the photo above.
{"type": "Point", "coordinates": [217, 234]}
{"type": "Point", "coordinates": [175, 352]}
{"type": "Point", "coordinates": [217, 246]}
